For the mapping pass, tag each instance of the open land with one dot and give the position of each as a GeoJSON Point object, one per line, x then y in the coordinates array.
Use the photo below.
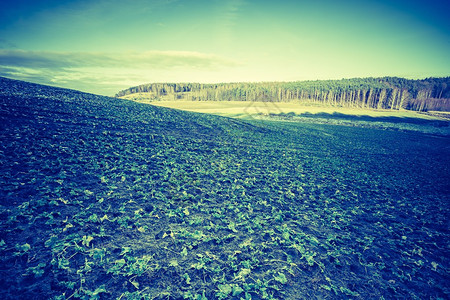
{"type": "Point", "coordinates": [301, 111]}
{"type": "Point", "coordinates": [104, 198]}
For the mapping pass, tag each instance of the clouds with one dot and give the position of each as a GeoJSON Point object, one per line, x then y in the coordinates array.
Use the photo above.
{"type": "Point", "coordinates": [91, 70]}
{"type": "Point", "coordinates": [138, 60]}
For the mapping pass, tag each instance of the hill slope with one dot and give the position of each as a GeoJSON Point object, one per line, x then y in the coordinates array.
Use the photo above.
{"type": "Point", "coordinates": [104, 198]}
{"type": "Point", "coordinates": [375, 93]}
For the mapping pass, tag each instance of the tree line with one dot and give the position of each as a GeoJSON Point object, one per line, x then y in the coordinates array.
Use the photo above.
{"type": "Point", "coordinates": [377, 93]}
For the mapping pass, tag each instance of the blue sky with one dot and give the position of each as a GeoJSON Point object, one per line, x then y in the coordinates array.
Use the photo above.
{"type": "Point", "coordinates": [108, 45]}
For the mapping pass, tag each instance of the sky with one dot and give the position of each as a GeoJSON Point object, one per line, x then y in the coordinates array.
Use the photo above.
{"type": "Point", "coordinates": [105, 46]}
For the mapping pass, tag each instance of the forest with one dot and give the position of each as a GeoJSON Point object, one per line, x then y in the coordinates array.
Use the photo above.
{"type": "Point", "coordinates": [431, 94]}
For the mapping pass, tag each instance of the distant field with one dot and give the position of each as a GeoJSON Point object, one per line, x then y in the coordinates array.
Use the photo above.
{"type": "Point", "coordinates": [431, 122]}
{"type": "Point", "coordinates": [250, 109]}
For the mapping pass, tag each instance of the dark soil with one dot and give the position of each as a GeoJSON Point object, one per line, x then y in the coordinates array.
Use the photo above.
{"type": "Point", "coordinates": [102, 198]}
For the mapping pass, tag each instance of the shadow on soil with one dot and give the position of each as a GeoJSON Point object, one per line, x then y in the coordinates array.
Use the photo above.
{"type": "Point", "coordinates": [341, 116]}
